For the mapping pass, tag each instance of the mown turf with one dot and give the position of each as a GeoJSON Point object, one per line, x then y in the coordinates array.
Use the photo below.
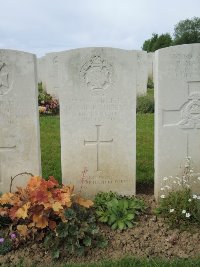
{"type": "Point", "coordinates": [129, 262]}
{"type": "Point", "coordinates": [50, 147]}
{"type": "Point", "coordinates": [145, 148]}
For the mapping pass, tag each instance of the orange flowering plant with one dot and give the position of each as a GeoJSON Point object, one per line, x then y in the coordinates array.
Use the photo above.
{"type": "Point", "coordinates": [41, 204]}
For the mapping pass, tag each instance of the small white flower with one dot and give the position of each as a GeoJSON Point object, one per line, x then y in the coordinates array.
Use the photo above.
{"type": "Point", "coordinates": [178, 178]}
{"type": "Point", "coordinates": [162, 188]}
{"type": "Point", "coordinates": [198, 197]}
{"type": "Point", "coordinates": [183, 211]}
{"type": "Point", "coordinates": [171, 210]}
{"type": "Point", "coordinates": [189, 200]}
{"type": "Point", "coordinates": [194, 196]}
{"type": "Point", "coordinates": [162, 196]}
{"type": "Point", "coordinates": [165, 178]}
{"type": "Point", "coordinates": [187, 215]}
{"type": "Point", "coordinates": [191, 171]}
{"type": "Point", "coordinates": [198, 178]}
{"type": "Point", "coordinates": [174, 182]}
{"type": "Point", "coordinates": [188, 186]}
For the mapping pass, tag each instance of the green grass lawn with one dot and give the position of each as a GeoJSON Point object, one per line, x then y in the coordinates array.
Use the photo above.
{"type": "Point", "coordinates": [50, 147]}
{"type": "Point", "coordinates": [130, 262]}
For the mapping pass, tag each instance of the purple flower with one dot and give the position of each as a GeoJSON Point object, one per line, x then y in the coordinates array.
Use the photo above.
{"type": "Point", "coordinates": [13, 236]}
{"type": "Point", "coordinates": [1, 239]}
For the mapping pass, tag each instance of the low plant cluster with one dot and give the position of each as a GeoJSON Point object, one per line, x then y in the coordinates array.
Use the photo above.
{"type": "Point", "coordinates": [44, 210]}
{"type": "Point", "coordinates": [145, 104]}
{"type": "Point", "coordinates": [47, 104]}
{"type": "Point", "coordinates": [117, 211]}
{"type": "Point", "coordinates": [179, 204]}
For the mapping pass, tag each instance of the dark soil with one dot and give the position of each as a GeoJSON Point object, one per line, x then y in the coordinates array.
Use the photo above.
{"type": "Point", "coordinates": [151, 238]}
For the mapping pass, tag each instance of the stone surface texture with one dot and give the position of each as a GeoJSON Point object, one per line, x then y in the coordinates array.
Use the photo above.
{"type": "Point", "coordinates": [150, 58]}
{"type": "Point", "coordinates": [142, 72]}
{"type": "Point", "coordinates": [177, 115]}
{"type": "Point", "coordinates": [19, 118]}
{"type": "Point", "coordinates": [51, 74]}
{"type": "Point", "coordinates": [98, 103]}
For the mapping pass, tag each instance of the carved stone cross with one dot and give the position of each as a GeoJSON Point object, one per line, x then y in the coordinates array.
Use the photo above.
{"type": "Point", "coordinates": [97, 142]}
{"type": "Point", "coordinates": [187, 119]}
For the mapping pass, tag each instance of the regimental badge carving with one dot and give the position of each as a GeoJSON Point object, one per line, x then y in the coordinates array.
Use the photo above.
{"type": "Point", "coordinates": [96, 73]}
{"type": "Point", "coordinates": [190, 112]}
{"type": "Point", "coordinates": [4, 78]}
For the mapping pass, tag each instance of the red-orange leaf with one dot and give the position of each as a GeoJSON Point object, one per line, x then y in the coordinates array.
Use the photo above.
{"type": "Point", "coordinates": [40, 221]}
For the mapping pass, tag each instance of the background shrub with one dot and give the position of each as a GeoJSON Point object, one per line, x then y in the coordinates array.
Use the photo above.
{"type": "Point", "coordinates": [145, 104]}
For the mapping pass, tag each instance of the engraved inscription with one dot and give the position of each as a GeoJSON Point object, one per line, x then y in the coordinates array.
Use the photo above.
{"type": "Point", "coordinates": [96, 109]}
{"type": "Point", "coordinates": [97, 142]}
{"type": "Point", "coordinates": [4, 78]}
{"type": "Point", "coordinates": [96, 73]}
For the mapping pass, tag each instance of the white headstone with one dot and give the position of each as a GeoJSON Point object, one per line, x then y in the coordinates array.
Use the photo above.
{"type": "Point", "coordinates": [98, 102]}
{"type": "Point", "coordinates": [41, 70]}
{"type": "Point", "coordinates": [150, 63]}
{"type": "Point", "coordinates": [51, 82]}
{"type": "Point", "coordinates": [19, 119]}
{"type": "Point", "coordinates": [142, 72]}
{"type": "Point", "coordinates": [177, 113]}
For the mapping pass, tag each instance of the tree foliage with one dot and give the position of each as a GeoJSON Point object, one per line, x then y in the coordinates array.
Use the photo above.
{"type": "Point", "coordinates": [187, 31]}
{"type": "Point", "coordinates": [156, 42]}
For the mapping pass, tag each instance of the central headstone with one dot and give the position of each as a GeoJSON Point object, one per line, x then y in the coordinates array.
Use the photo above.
{"type": "Point", "coordinates": [97, 100]}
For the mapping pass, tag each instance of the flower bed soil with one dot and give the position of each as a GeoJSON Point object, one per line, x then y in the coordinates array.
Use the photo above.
{"type": "Point", "coordinates": [150, 238]}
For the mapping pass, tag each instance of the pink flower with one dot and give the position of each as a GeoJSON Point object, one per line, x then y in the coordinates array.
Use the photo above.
{"type": "Point", "coordinates": [13, 236]}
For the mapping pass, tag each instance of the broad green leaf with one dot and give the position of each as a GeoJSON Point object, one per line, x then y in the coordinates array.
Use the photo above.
{"type": "Point", "coordinates": [129, 224]}
{"type": "Point", "coordinates": [112, 219]}
{"type": "Point", "coordinates": [114, 226]}
{"type": "Point", "coordinates": [121, 225]}
{"type": "Point", "coordinates": [130, 216]}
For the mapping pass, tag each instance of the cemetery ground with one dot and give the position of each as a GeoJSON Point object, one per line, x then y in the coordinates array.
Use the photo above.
{"type": "Point", "coordinates": [150, 243]}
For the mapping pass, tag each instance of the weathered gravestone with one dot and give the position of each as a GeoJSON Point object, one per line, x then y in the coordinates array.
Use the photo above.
{"type": "Point", "coordinates": [142, 72]}
{"type": "Point", "coordinates": [51, 74]}
{"type": "Point", "coordinates": [177, 120]}
{"type": "Point", "coordinates": [150, 63]}
{"type": "Point", "coordinates": [41, 70]}
{"type": "Point", "coordinates": [97, 100]}
{"type": "Point", "coordinates": [19, 128]}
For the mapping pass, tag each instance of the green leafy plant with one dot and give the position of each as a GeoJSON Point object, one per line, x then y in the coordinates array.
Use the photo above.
{"type": "Point", "coordinates": [180, 209]}
{"type": "Point", "coordinates": [150, 84]}
{"type": "Point", "coordinates": [7, 242]}
{"type": "Point", "coordinates": [178, 203]}
{"type": "Point", "coordinates": [117, 211]}
{"type": "Point", "coordinates": [75, 235]}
